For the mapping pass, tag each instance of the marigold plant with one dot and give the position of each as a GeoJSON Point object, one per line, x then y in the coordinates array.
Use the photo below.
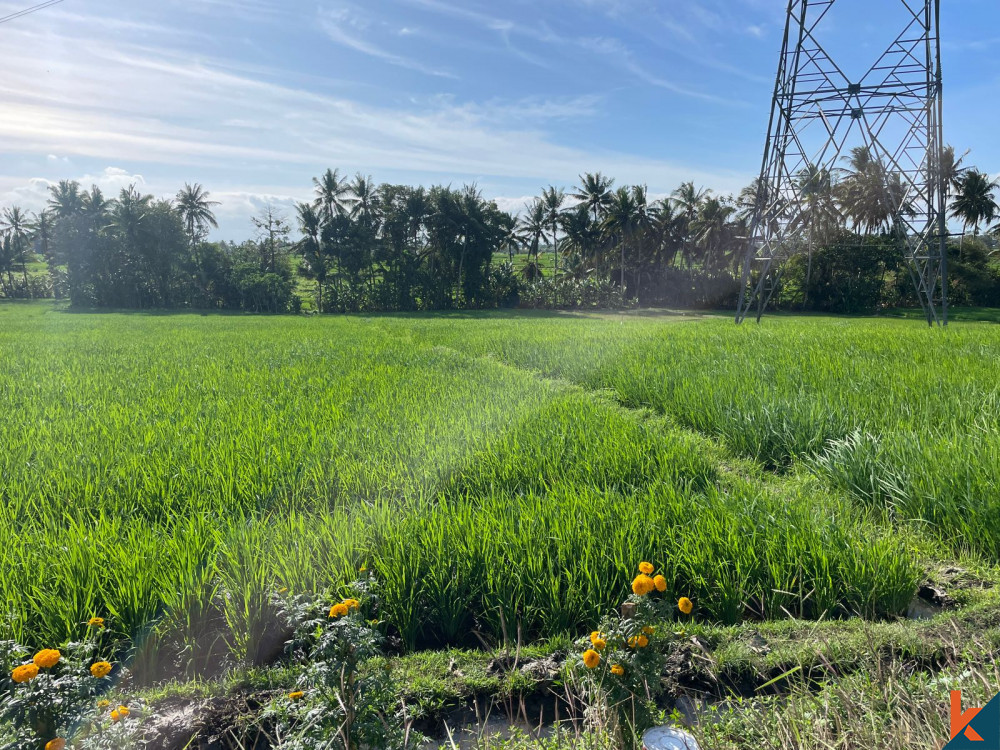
{"type": "Point", "coordinates": [24, 673]}
{"type": "Point", "coordinates": [47, 658]}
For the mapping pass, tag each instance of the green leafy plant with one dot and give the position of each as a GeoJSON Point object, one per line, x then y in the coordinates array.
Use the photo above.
{"type": "Point", "coordinates": [620, 665]}
{"type": "Point", "coordinates": [345, 696]}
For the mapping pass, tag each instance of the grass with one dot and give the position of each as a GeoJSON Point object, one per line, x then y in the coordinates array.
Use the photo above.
{"type": "Point", "coordinates": [501, 474]}
{"type": "Point", "coordinates": [903, 417]}
{"type": "Point", "coordinates": [180, 469]}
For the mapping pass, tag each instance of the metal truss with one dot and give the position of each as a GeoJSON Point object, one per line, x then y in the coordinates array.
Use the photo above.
{"type": "Point", "coordinates": [819, 114]}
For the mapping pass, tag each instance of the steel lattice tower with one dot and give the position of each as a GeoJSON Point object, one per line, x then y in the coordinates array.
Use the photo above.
{"type": "Point", "coordinates": [818, 114]}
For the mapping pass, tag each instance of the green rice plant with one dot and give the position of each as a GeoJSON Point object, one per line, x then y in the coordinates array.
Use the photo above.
{"type": "Point", "coordinates": [174, 472]}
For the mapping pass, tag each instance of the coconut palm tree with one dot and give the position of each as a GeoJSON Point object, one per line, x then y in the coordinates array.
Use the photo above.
{"type": "Point", "coordinates": [714, 232]}
{"type": "Point", "coordinates": [594, 193]}
{"type": "Point", "coordinates": [952, 170]}
{"type": "Point", "coordinates": [553, 200]}
{"type": "Point", "coordinates": [195, 208]}
{"type": "Point", "coordinates": [332, 191]}
{"type": "Point", "coordinates": [310, 247]}
{"type": "Point", "coordinates": [16, 225]}
{"type": "Point", "coordinates": [869, 196]}
{"type": "Point", "coordinates": [65, 199]}
{"type": "Point", "coordinates": [688, 200]}
{"type": "Point", "coordinates": [533, 227]}
{"type": "Point", "coordinates": [975, 202]}
{"type": "Point", "coordinates": [621, 222]}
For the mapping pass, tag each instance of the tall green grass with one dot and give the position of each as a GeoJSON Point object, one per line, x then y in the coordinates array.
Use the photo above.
{"type": "Point", "coordinates": [902, 416]}
{"type": "Point", "coordinates": [182, 469]}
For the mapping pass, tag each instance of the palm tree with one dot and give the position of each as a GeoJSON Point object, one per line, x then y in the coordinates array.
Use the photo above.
{"type": "Point", "coordinates": [952, 170]}
{"type": "Point", "coordinates": [331, 190]}
{"type": "Point", "coordinates": [975, 203]}
{"type": "Point", "coordinates": [713, 232]}
{"type": "Point", "coordinates": [553, 200]}
{"type": "Point", "coordinates": [870, 196]}
{"type": "Point", "coordinates": [621, 222]}
{"type": "Point", "coordinates": [310, 248]}
{"type": "Point", "coordinates": [688, 200]}
{"type": "Point", "coordinates": [16, 225]}
{"type": "Point", "coordinates": [364, 210]}
{"type": "Point", "coordinates": [594, 192]}
{"type": "Point", "coordinates": [196, 211]}
{"type": "Point", "coordinates": [533, 228]}
{"type": "Point", "coordinates": [65, 199]}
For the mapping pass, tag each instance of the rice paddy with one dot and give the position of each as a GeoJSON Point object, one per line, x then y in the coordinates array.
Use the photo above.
{"type": "Point", "coordinates": [495, 471]}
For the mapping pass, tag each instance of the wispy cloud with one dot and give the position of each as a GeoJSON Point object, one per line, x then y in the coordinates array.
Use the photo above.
{"type": "Point", "coordinates": [346, 26]}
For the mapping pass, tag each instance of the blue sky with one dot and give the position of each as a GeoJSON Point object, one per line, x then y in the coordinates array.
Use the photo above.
{"type": "Point", "coordinates": [254, 97]}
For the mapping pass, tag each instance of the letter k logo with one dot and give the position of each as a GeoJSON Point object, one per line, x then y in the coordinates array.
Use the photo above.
{"type": "Point", "coordinates": [960, 721]}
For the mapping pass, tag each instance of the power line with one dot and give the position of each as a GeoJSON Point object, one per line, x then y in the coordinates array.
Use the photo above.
{"type": "Point", "coordinates": [27, 11]}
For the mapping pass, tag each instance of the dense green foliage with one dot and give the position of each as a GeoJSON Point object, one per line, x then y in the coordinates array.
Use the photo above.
{"type": "Point", "coordinates": [181, 469]}
{"type": "Point", "coordinates": [367, 247]}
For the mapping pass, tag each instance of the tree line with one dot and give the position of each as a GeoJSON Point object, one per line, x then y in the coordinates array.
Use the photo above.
{"type": "Point", "coordinates": [364, 246]}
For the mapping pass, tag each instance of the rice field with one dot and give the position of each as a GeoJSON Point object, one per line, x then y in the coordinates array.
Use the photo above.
{"type": "Point", "coordinates": [494, 471]}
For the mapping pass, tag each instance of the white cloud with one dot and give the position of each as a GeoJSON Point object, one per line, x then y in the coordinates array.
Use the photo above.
{"type": "Point", "coordinates": [346, 25]}
{"type": "Point", "coordinates": [157, 111]}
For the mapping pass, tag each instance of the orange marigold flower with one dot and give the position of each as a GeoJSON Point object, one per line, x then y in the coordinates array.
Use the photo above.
{"type": "Point", "coordinates": [685, 605]}
{"type": "Point", "coordinates": [646, 568]}
{"type": "Point", "coordinates": [57, 744]}
{"type": "Point", "coordinates": [660, 583]}
{"type": "Point", "coordinates": [123, 711]}
{"type": "Point", "coordinates": [648, 630]}
{"type": "Point", "coordinates": [338, 610]}
{"type": "Point", "coordinates": [115, 716]}
{"type": "Point", "coordinates": [100, 669]}
{"type": "Point", "coordinates": [597, 635]}
{"type": "Point", "coordinates": [47, 658]}
{"type": "Point", "coordinates": [642, 584]}
{"type": "Point", "coordinates": [95, 622]}
{"type": "Point", "coordinates": [296, 695]}
{"type": "Point", "coordinates": [617, 669]}
{"type": "Point", "coordinates": [591, 658]}
{"type": "Point", "coordinates": [24, 673]}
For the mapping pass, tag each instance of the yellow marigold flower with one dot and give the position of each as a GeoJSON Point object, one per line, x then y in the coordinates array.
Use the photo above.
{"type": "Point", "coordinates": [685, 605]}
{"type": "Point", "coordinates": [646, 568]}
{"type": "Point", "coordinates": [352, 604]}
{"type": "Point", "coordinates": [648, 630]}
{"type": "Point", "coordinates": [57, 744]}
{"type": "Point", "coordinates": [115, 716]}
{"type": "Point", "coordinates": [338, 610]}
{"type": "Point", "coordinates": [95, 622]}
{"type": "Point", "coordinates": [123, 711]}
{"type": "Point", "coordinates": [638, 641]}
{"type": "Point", "coordinates": [600, 644]}
{"type": "Point", "coordinates": [47, 658]}
{"type": "Point", "coordinates": [100, 669]}
{"type": "Point", "coordinates": [363, 569]}
{"type": "Point", "coordinates": [660, 583]}
{"type": "Point", "coordinates": [296, 695]}
{"type": "Point", "coordinates": [24, 673]}
{"type": "Point", "coordinates": [642, 584]}
{"type": "Point", "coordinates": [617, 669]}
{"type": "Point", "coordinates": [103, 703]}
{"type": "Point", "coordinates": [591, 658]}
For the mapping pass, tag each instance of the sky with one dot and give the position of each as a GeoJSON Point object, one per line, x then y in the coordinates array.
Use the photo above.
{"type": "Point", "coordinates": [252, 98]}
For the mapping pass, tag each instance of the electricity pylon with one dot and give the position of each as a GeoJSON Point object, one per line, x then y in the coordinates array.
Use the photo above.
{"type": "Point", "coordinates": [819, 114]}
